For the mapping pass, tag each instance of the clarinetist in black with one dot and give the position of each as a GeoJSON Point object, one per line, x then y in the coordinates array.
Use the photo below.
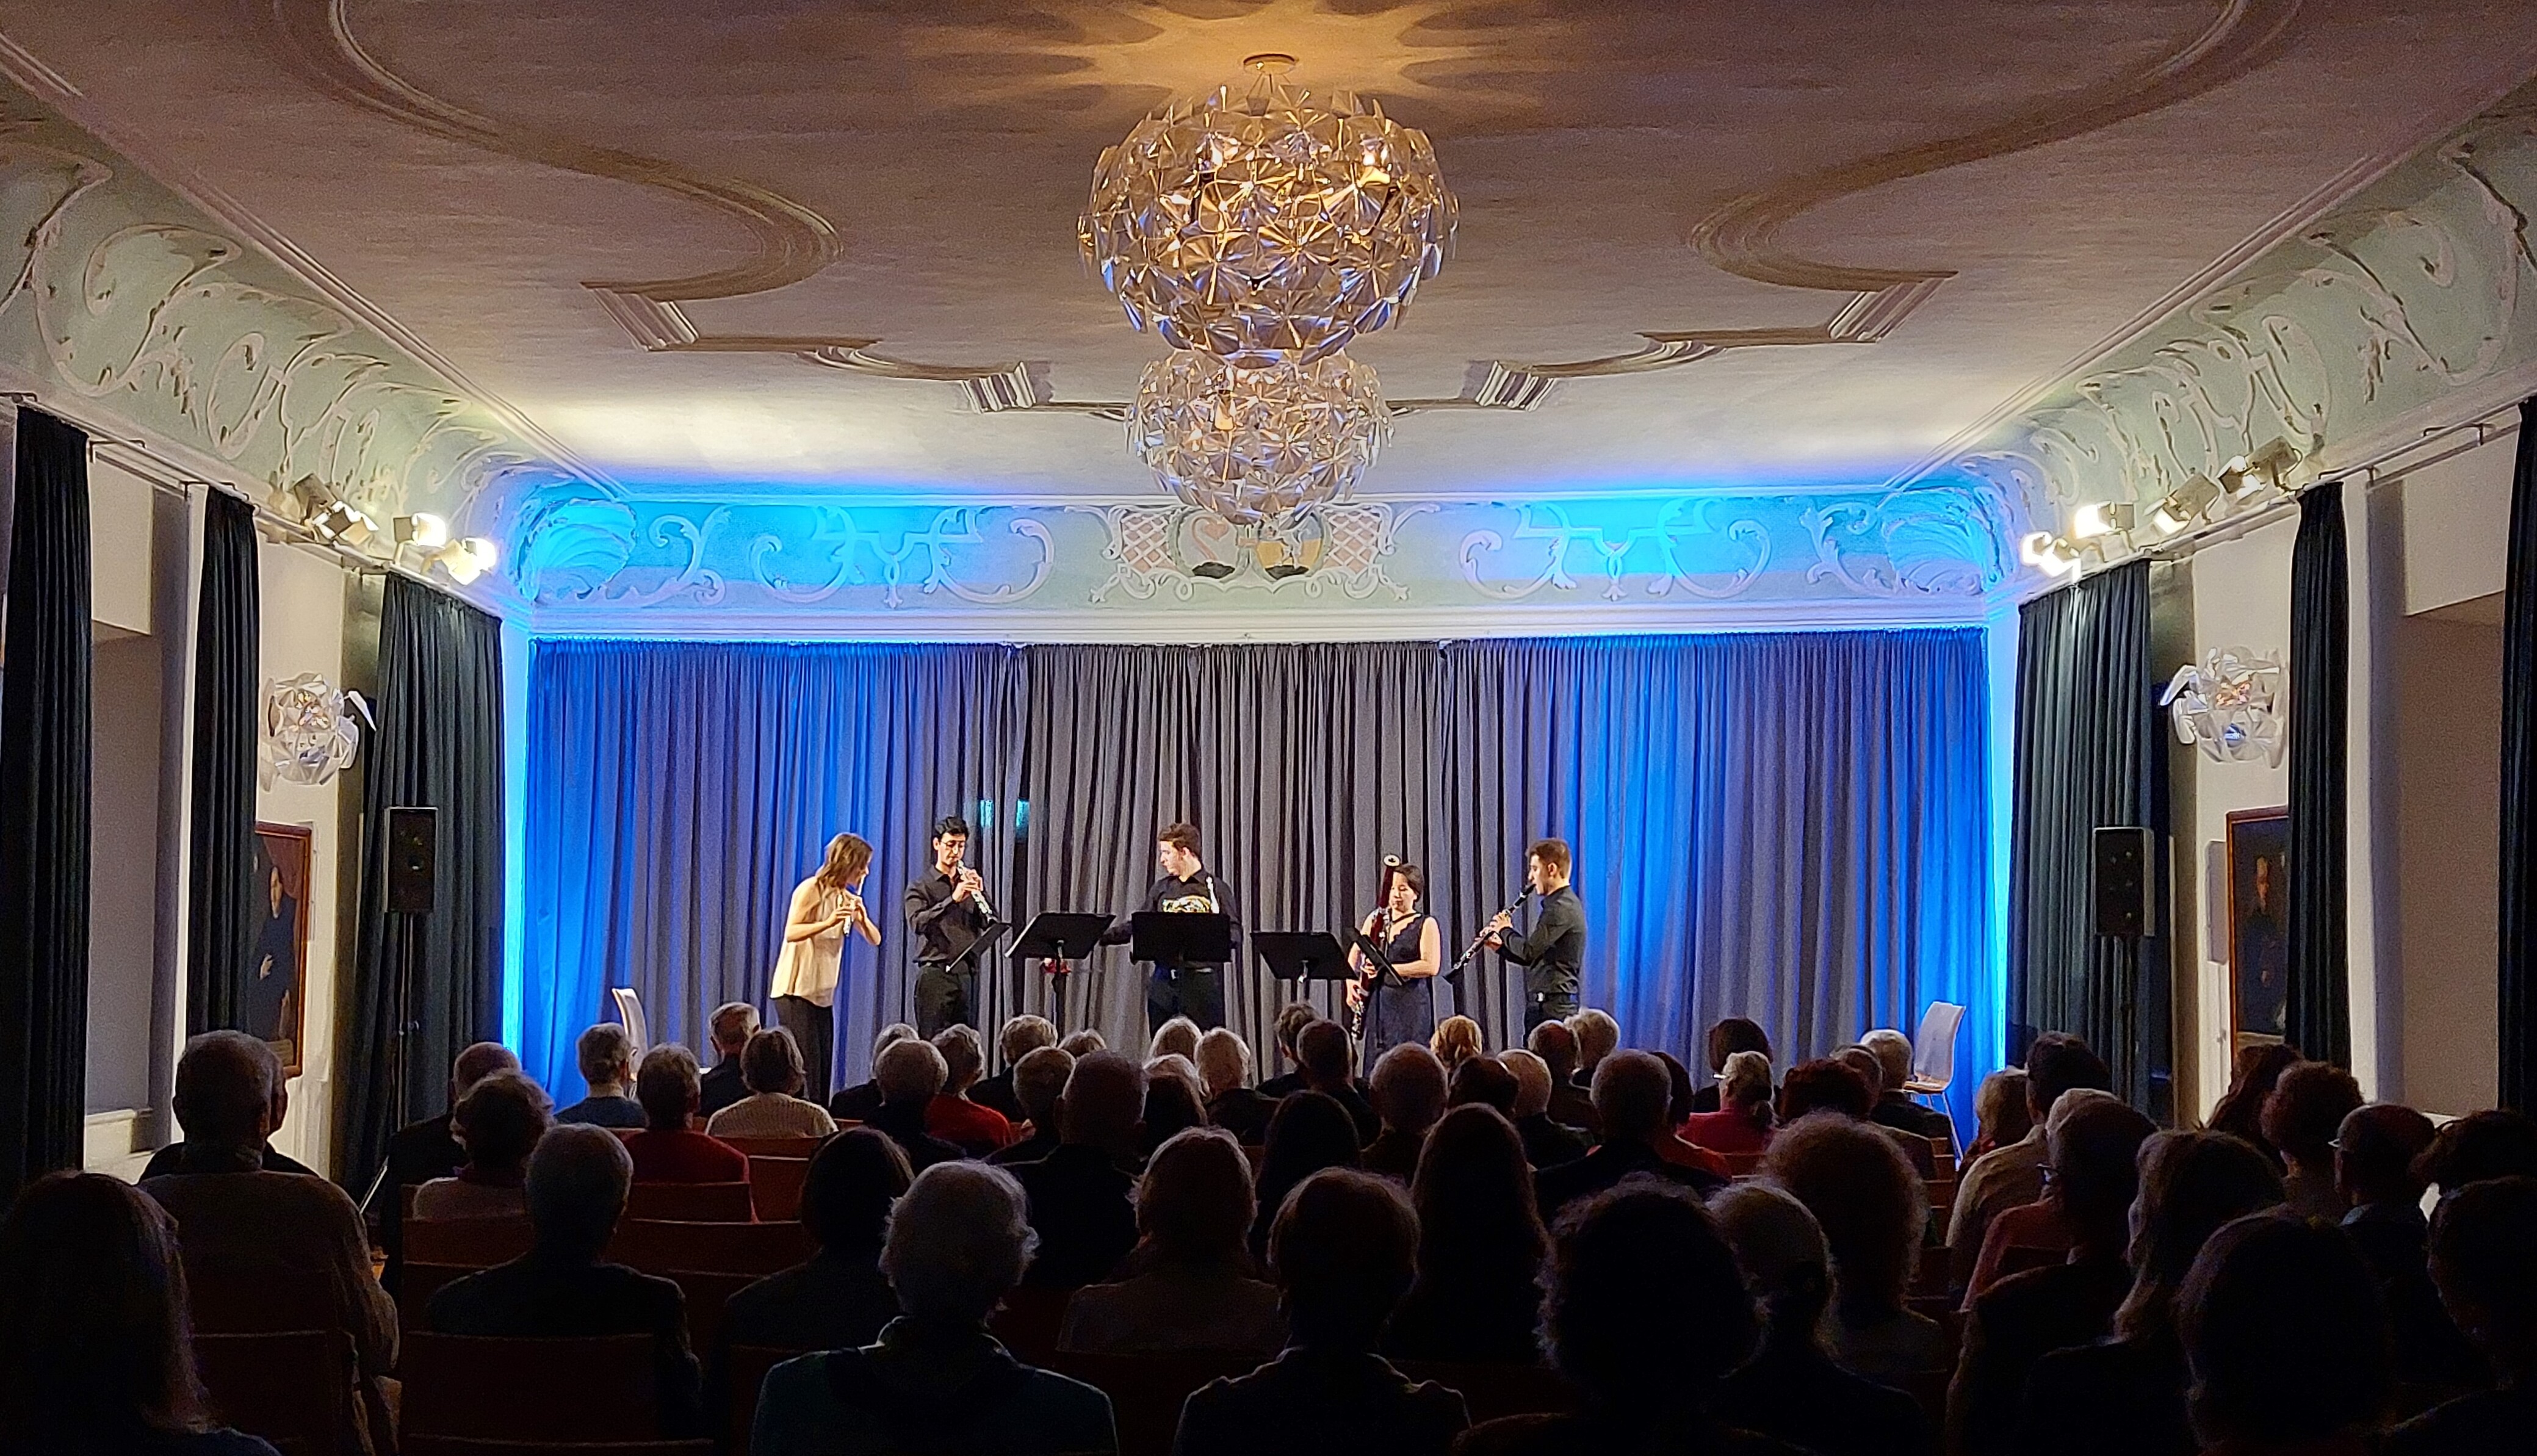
{"type": "Point", "coordinates": [1186, 887]}
{"type": "Point", "coordinates": [1553, 952]}
{"type": "Point", "coordinates": [946, 910]}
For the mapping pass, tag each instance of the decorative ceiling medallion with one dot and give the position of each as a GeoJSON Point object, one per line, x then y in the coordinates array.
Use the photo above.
{"type": "Point", "coordinates": [1267, 228]}
{"type": "Point", "coordinates": [1255, 446]}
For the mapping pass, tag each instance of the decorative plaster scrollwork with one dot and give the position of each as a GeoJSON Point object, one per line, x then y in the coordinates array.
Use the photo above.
{"type": "Point", "coordinates": [1932, 541]}
{"type": "Point", "coordinates": [1549, 525]}
{"type": "Point", "coordinates": [957, 525]}
{"type": "Point", "coordinates": [836, 533]}
{"type": "Point", "coordinates": [694, 576]}
{"type": "Point", "coordinates": [1179, 549]}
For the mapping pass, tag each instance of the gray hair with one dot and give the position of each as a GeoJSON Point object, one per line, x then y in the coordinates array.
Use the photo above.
{"type": "Point", "coordinates": [958, 1240]}
{"type": "Point", "coordinates": [733, 1024]}
{"type": "Point", "coordinates": [1744, 1080]}
{"type": "Point", "coordinates": [896, 1031]}
{"type": "Point", "coordinates": [1597, 1035]}
{"type": "Point", "coordinates": [1774, 1237]}
{"type": "Point", "coordinates": [1408, 1086]}
{"type": "Point", "coordinates": [1039, 1078]}
{"type": "Point", "coordinates": [1223, 1061]}
{"type": "Point", "coordinates": [605, 1053]}
{"type": "Point", "coordinates": [478, 1061]}
{"type": "Point", "coordinates": [1893, 1055]}
{"type": "Point", "coordinates": [578, 1177]}
{"type": "Point", "coordinates": [1177, 1034]}
{"type": "Point", "coordinates": [910, 1070]}
{"type": "Point", "coordinates": [1024, 1035]}
{"type": "Point", "coordinates": [225, 1082]}
{"type": "Point", "coordinates": [964, 1057]}
{"type": "Point", "coordinates": [1531, 1081]}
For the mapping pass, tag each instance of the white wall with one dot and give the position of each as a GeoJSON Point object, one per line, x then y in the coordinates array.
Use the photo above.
{"type": "Point", "coordinates": [2448, 786]}
{"type": "Point", "coordinates": [123, 835]}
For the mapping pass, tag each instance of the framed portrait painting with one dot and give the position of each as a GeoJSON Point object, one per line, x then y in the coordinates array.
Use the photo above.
{"type": "Point", "coordinates": [273, 993]}
{"type": "Point", "coordinates": [2259, 946]}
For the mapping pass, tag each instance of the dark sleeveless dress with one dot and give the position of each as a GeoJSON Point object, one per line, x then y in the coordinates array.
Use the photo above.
{"type": "Point", "coordinates": [1406, 1012]}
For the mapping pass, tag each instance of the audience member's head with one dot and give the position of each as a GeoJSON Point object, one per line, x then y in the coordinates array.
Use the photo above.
{"type": "Point", "coordinates": [478, 1062]}
{"type": "Point", "coordinates": [1023, 1035]}
{"type": "Point", "coordinates": [847, 1192]}
{"type": "Point", "coordinates": [1870, 1071]}
{"type": "Point", "coordinates": [1872, 1207]}
{"type": "Point", "coordinates": [2492, 1144]}
{"type": "Point", "coordinates": [770, 1063]}
{"type": "Point", "coordinates": [2307, 1105]}
{"type": "Point", "coordinates": [1324, 1052]}
{"type": "Point", "coordinates": [2000, 1110]}
{"type": "Point", "coordinates": [1487, 1081]}
{"type": "Point", "coordinates": [1178, 1067]}
{"type": "Point", "coordinates": [1597, 1035]}
{"type": "Point", "coordinates": [2057, 1064]}
{"type": "Point", "coordinates": [2241, 1108]}
{"type": "Point", "coordinates": [1292, 1017]}
{"type": "Point", "coordinates": [1677, 1086]}
{"type": "Point", "coordinates": [1632, 1097]}
{"type": "Point", "coordinates": [886, 1037]}
{"type": "Point", "coordinates": [1341, 1252]}
{"type": "Point", "coordinates": [1103, 1105]}
{"type": "Point", "coordinates": [1645, 1309]}
{"type": "Point", "coordinates": [1309, 1132]}
{"type": "Point", "coordinates": [670, 1086]}
{"type": "Point", "coordinates": [1082, 1043]}
{"type": "Point", "coordinates": [1824, 1084]}
{"type": "Point", "coordinates": [1223, 1061]}
{"type": "Point", "coordinates": [910, 1073]}
{"type": "Point", "coordinates": [1457, 1041]}
{"type": "Point", "coordinates": [2092, 1151]}
{"type": "Point", "coordinates": [964, 1058]}
{"type": "Point", "coordinates": [94, 1350]}
{"type": "Point", "coordinates": [1734, 1035]}
{"type": "Point", "coordinates": [1781, 1248]}
{"type": "Point", "coordinates": [2285, 1335]}
{"type": "Point", "coordinates": [1172, 1103]}
{"type": "Point", "coordinates": [1744, 1084]}
{"type": "Point", "coordinates": [1177, 1036]}
{"type": "Point", "coordinates": [1039, 1080]}
{"type": "Point", "coordinates": [2483, 1259]}
{"type": "Point", "coordinates": [2191, 1184]}
{"type": "Point", "coordinates": [500, 1120]}
{"type": "Point", "coordinates": [1531, 1081]}
{"type": "Point", "coordinates": [731, 1025]}
{"type": "Point", "coordinates": [1556, 1045]}
{"type": "Point", "coordinates": [604, 1054]}
{"type": "Point", "coordinates": [1893, 1052]}
{"type": "Point", "coordinates": [1407, 1089]}
{"type": "Point", "coordinates": [229, 1092]}
{"type": "Point", "coordinates": [1194, 1204]}
{"type": "Point", "coordinates": [2374, 1151]}
{"type": "Point", "coordinates": [578, 1178]}
{"type": "Point", "coordinates": [958, 1241]}
{"type": "Point", "coordinates": [1478, 1217]}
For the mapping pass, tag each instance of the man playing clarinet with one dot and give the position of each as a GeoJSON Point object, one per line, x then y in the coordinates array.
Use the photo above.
{"type": "Point", "coordinates": [1553, 952]}
{"type": "Point", "coordinates": [946, 911]}
{"type": "Point", "coordinates": [1186, 887]}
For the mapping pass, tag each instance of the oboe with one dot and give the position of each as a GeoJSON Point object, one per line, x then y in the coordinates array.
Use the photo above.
{"type": "Point", "coordinates": [1454, 976]}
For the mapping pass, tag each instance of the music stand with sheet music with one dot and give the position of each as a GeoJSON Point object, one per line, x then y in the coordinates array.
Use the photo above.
{"type": "Point", "coordinates": [1180, 939]}
{"type": "Point", "coordinates": [1302, 955]}
{"type": "Point", "coordinates": [1057, 938]}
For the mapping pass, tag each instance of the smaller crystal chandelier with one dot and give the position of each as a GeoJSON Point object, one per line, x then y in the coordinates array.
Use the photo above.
{"type": "Point", "coordinates": [1255, 446]}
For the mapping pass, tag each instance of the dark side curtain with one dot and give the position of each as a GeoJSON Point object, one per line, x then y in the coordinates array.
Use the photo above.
{"type": "Point", "coordinates": [2519, 907]}
{"type": "Point", "coordinates": [439, 744]}
{"type": "Point", "coordinates": [44, 749]}
{"type": "Point", "coordinates": [2086, 727]}
{"type": "Point", "coordinates": [2317, 1016]}
{"type": "Point", "coordinates": [222, 910]}
{"type": "Point", "coordinates": [1786, 827]}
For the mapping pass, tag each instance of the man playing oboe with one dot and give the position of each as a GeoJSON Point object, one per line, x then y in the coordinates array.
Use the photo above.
{"type": "Point", "coordinates": [946, 911]}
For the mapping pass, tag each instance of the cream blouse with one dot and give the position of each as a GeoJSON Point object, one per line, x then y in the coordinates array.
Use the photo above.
{"type": "Point", "coordinates": [807, 967]}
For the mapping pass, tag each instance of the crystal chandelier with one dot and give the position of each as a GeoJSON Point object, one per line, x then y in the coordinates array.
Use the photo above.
{"type": "Point", "coordinates": [1267, 228]}
{"type": "Point", "coordinates": [1255, 446]}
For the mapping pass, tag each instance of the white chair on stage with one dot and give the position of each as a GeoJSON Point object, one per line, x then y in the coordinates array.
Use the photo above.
{"type": "Point", "coordinates": [1934, 1049]}
{"type": "Point", "coordinates": [629, 1010]}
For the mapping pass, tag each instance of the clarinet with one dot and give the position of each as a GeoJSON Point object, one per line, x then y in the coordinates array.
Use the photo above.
{"type": "Point", "coordinates": [1453, 976]}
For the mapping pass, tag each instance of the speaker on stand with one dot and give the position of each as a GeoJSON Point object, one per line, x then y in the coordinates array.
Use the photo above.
{"type": "Point", "coordinates": [2123, 860]}
{"type": "Point", "coordinates": [413, 885]}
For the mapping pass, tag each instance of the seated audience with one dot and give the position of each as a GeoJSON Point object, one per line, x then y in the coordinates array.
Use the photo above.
{"type": "Point", "coordinates": [1292, 1017]}
{"type": "Point", "coordinates": [2307, 1105]}
{"type": "Point", "coordinates": [2493, 1144]}
{"type": "Point", "coordinates": [1224, 1069]}
{"type": "Point", "coordinates": [668, 1149]}
{"type": "Point", "coordinates": [1039, 1080]}
{"type": "Point", "coordinates": [1329, 1058]}
{"type": "Point", "coordinates": [1792, 1389]}
{"type": "Point", "coordinates": [837, 1298]}
{"type": "Point", "coordinates": [1192, 1288]}
{"type": "Point", "coordinates": [910, 1074]}
{"type": "Point", "coordinates": [96, 1352]}
{"type": "Point", "coordinates": [1630, 1100]}
{"type": "Point", "coordinates": [1569, 1105]}
{"type": "Point", "coordinates": [1826, 1084]}
{"type": "Point", "coordinates": [1742, 1122]}
{"type": "Point", "coordinates": [1673, 1147]}
{"type": "Point", "coordinates": [2011, 1176]}
{"type": "Point", "coordinates": [1309, 1133]}
{"type": "Point", "coordinates": [1547, 1142]}
{"type": "Point", "coordinates": [2000, 1113]}
{"type": "Point", "coordinates": [1646, 1313]}
{"type": "Point", "coordinates": [2125, 1396]}
{"type": "Point", "coordinates": [1080, 1194]}
{"type": "Point", "coordinates": [606, 1057]}
{"type": "Point", "coordinates": [2021, 1238]}
{"type": "Point", "coordinates": [2094, 1160]}
{"type": "Point", "coordinates": [1408, 1086]}
{"type": "Point", "coordinates": [858, 1104]}
{"type": "Point", "coordinates": [2241, 1110]}
{"type": "Point", "coordinates": [975, 1129]}
{"type": "Point", "coordinates": [1871, 1080]}
{"type": "Point", "coordinates": [1082, 1043]}
{"type": "Point", "coordinates": [418, 1152]}
{"type": "Point", "coordinates": [1894, 1106]}
{"type": "Point", "coordinates": [2285, 1340]}
{"type": "Point", "coordinates": [1484, 1079]}
{"type": "Point", "coordinates": [1341, 1254]}
{"type": "Point", "coordinates": [1598, 1037]}
{"type": "Point", "coordinates": [498, 1123]}
{"type": "Point", "coordinates": [771, 1067]}
{"type": "Point", "coordinates": [729, 1029]}
{"type": "Point", "coordinates": [936, 1380]}
{"type": "Point", "coordinates": [2374, 1152]}
{"type": "Point", "coordinates": [1177, 1036]}
{"type": "Point", "coordinates": [1734, 1035]}
{"type": "Point", "coordinates": [1456, 1040]}
{"type": "Point", "coordinates": [563, 1288]}
{"type": "Point", "coordinates": [256, 1230]}
{"type": "Point", "coordinates": [1872, 1211]}
{"type": "Point", "coordinates": [1476, 1297]}
{"type": "Point", "coordinates": [1173, 1103]}
{"type": "Point", "coordinates": [2483, 1259]}
{"type": "Point", "coordinates": [1021, 1035]}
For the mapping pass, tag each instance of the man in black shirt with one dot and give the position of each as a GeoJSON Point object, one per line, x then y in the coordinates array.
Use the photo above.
{"type": "Point", "coordinates": [1553, 951]}
{"type": "Point", "coordinates": [946, 912]}
{"type": "Point", "coordinates": [1195, 992]}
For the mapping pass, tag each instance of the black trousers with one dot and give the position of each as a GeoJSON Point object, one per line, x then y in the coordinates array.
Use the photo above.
{"type": "Point", "coordinates": [1548, 1006]}
{"type": "Point", "coordinates": [815, 1030]}
{"type": "Point", "coordinates": [945, 996]}
{"type": "Point", "coordinates": [1197, 993]}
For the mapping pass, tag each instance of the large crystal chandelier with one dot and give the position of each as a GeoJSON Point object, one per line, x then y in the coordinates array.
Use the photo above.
{"type": "Point", "coordinates": [1255, 446]}
{"type": "Point", "coordinates": [1267, 228]}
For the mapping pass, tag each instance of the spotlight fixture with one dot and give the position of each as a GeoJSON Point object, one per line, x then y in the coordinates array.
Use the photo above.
{"type": "Point", "coordinates": [2185, 505]}
{"type": "Point", "coordinates": [466, 560]}
{"type": "Point", "coordinates": [313, 494]}
{"type": "Point", "coordinates": [338, 524]}
{"type": "Point", "coordinates": [2052, 555]}
{"type": "Point", "coordinates": [422, 529]}
{"type": "Point", "coordinates": [2102, 518]}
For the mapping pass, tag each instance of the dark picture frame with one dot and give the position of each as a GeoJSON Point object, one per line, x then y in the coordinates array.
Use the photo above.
{"type": "Point", "coordinates": [273, 985]}
{"type": "Point", "coordinates": [2258, 857]}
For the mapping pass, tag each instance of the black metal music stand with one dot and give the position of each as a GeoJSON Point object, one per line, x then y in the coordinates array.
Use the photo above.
{"type": "Point", "coordinates": [1180, 939]}
{"type": "Point", "coordinates": [1302, 955]}
{"type": "Point", "coordinates": [1057, 938]}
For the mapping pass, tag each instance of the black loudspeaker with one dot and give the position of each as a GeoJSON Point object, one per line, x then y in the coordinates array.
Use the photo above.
{"type": "Point", "coordinates": [2122, 859]}
{"type": "Point", "coordinates": [414, 853]}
